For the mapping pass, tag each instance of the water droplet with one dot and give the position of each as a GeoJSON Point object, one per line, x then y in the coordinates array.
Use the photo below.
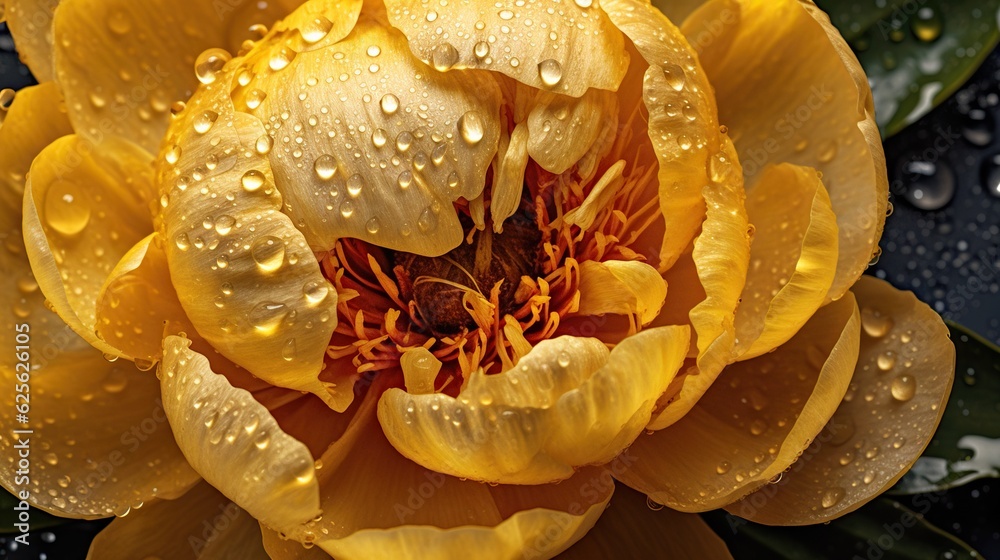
{"type": "Point", "coordinates": [224, 224]}
{"type": "Point", "coordinates": [929, 185]}
{"type": "Point", "coordinates": [315, 292]}
{"type": "Point", "coordinates": [355, 184]}
{"type": "Point", "coordinates": [453, 179]}
{"type": "Point", "coordinates": [182, 242]}
{"type": "Point", "coordinates": [253, 180]}
{"type": "Point", "coordinates": [209, 64]}
{"type": "Point", "coordinates": [264, 145]}
{"type": "Point", "coordinates": [281, 59]}
{"type": "Point", "coordinates": [991, 175]}
{"type": "Point", "coordinates": [379, 137]}
{"type": "Point", "coordinates": [405, 179]}
{"type": "Point", "coordinates": [758, 427]}
{"type": "Point", "coordinates": [403, 141]}
{"type": "Point", "coordinates": [119, 22]}
{"type": "Point", "coordinates": [266, 316]}
{"type": "Point", "coordinates": [904, 387]}
{"type": "Point", "coordinates": [978, 127]}
{"type": "Point", "coordinates": [481, 50]}
{"type": "Point", "coordinates": [316, 29]}
{"type": "Point", "coordinates": [347, 209]}
{"type": "Point", "coordinates": [875, 324]}
{"type": "Point", "coordinates": [550, 72]}
{"type": "Point", "coordinates": [832, 497]}
{"type": "Point", "coordinates": [444, 57]}
{"type": "Point", "coordinates": [723, 467]}
{"type": "Point", "coordinates": [847, 458]}
{"type": "Point", "coordinates": [927, 24]}
{"type": "Point", "coordinates": [827, 152]}
{"type": "Point", "coordinates": [262, 440]}
{"type": "Point", "coordinates": [66, 211]}
{"type": "Point", "coordinates": [255, 98]}
{"type": "Point", "coordinates": [288, 351]}
{"type": "Point", "coordinates": [427, 220]}
{"type": "Point", "coordinates": [472, 127]}
{"type": "Point", "coordinates": [372, 226]}
{"type": "Point", "coordinates": [886, 360]}
{"type": "Point", "coordinates": [564, 359]}
{"type": "Point", "coordinates": [584, 3]}
{"type": "Point", "coordinates": [674, 76]}
{"type": "Point", "coordinates": [654, 506]}
{"type": "Point", "coordinates": [389, 104]}
{"type": "Point", "coordinates": [325, 167]}
{"type": "Point", "coordinates": [204, 121]}
{"type": "Point", "coordinates": [268, 252]}
{"type": "Point", "coordinates": [222, 261]}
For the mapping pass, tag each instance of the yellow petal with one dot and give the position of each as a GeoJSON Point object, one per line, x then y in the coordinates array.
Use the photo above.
{"type": "Point", "coordinates": [288, 549]}
{"type": "Point", "coordinates": [891, 410]}
{"type": "Point", "coordinates": [790, 90]}
{"type": "Point", "coordinates": [678, 10]}
{"type": "Point", "coordinates": [792, 260]}
{"type": "Point", "coordinates": [35, 119]}
{"type": "Point", "coordinates": [420, 369]}
{"type": "Point", "coordinates": [401, 510]}
{"type": "Point", "coordinates": [100, 440]}
{"type": "Point", "coordinates": [622, 287]}
{"type": "Point", "coordinates": [84, 208]}
{"type": "Point", "coordinates": [137, 300]}
{"type": "Point", "coordinates": [245, 276]}
{"type": "Point", "coordinates": [538, 45]}
{"type": "Point", "coordinates": [508, 182]}
{"type": "Point", "coordinates": [599, 197]}
{"type": "Point", "coordinates": [234, 442]}
{"type": "Point", "coordinates": [562, 129]}
{"type": "Point", "coordinates": [30, 24]}
{"type": "Point", "coordinates": [567, 403]}
{"type": "Point", "coordinates": [630, 529]}
{"type": "Point", "coordinates": [200, 525]}
{"type": "Point", "coordinates": [721, 258]}
{"type": "Point", "coordinates": [751, 425]}
{"type": "Point", "coordinates": [383, 161]}
{"type": "Point", "coordinates": [682, 118]}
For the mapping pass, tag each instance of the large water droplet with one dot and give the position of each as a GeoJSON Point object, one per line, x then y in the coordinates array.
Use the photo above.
{"type": "Point", "coordinates": [66, 211]}
{"type": "Point", "coordinates": [929, 185]}
{"type": "Point", "coordinates": [903, 387]}
{"type": "Point", "coordinates": [209, 64]}
{"type": "Point", "coordinates": [875, 324]}
{"type": "Point", "coordinates": [550, 72]}
{"type": "Point", "coordinates": [389, 104]}
{"type": "Point", "coordinates": [266, 316]}
{"type": "Point", "coordinates": [253, 180]}
{"type": "Point", "coordinates": [268, 252]}
{"type": "Point", "coordinates": [927, 24]}
{"type": "Point", "coordinates": [832, 497]}
{"type": "Point", "coordinates": [472, 127]}
{"type": "Point", "coordinates": [204, 121]}
{"type": "Point", "coordinates": [978, 127]}
{"type": "Point", "coordinates": [444, 57]}
{"type": "Point", "coordinates": [427, 220]}
{"type": "Point", "coordinates": [355, 184]}
{"type": "Point", "coordinates": [281, 59]}
{"type": "Point", "coordinates": [119, 22]}
{"type": "Point", "coordinates": [325, 167]}
{"type": "Point", "coordinates": [316, 29]}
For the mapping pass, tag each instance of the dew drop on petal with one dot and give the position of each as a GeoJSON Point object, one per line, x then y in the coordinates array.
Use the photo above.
{"type": "Point", "coordinates": [903, 387]}
{"type": "Point", "coordinates": [66, 211]}
{"type": "Point", "coordinates": [268, 252]}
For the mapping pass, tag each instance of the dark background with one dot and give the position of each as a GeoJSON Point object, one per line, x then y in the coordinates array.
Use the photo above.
{"type": "Point", "coordinates": [942, 242]}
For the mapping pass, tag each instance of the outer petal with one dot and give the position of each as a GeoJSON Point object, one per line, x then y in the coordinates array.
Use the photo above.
{"type": "Point", "coordinates": [234, 442]}
{"type": "Point", "coordinates": [401, 510]}
{"type": "Point", "coordinates": [539, 42]}
{"type": "Point", "coordinates": [30, 23]}
{"type": "Point", "coordinates": [568, 403]}
{"type": "Point", "coordinates": [385, 161]}
{"type": "Point", "coordinates": [201, 525]}
{"type": "Point", "coordinates": [721, 258]}
{"type": "Point", "coordinates": [887, 418]}
{"type": "Point", "coordinates": [814, 108]}
{"type": "Point", "coordinates": [243, 273]}
{"type": "Point", "coordinates": [622, 287]}
{"type": "Point", "coordinates": [122, 63]}
{"type": "Point", "coordinates": [793, 258]}
{"type": "Point", "coordinates": [35, 119]}
{"type": "Point", "coordinates": [629, 529]}
{"type": "Point", "coordinates": [682, 119]}
{"type": "Point", "coordinates": [84, 208]}
{"type": "Point", "coordinates": [752, 426]}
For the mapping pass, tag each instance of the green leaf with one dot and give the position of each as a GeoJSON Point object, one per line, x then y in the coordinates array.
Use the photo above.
{"type": "Point", "coordinates": [37, 519]}
{"type": "Point", "coordinates": [966, 445]}
{"type": "Point", "coordinates": [884, 529]}
{"type": "Point", "coordinates": [916, 53]}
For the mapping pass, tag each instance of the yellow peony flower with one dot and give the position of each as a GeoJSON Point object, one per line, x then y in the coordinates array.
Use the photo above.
{"type": "Point", "coordinates": [420, 277]}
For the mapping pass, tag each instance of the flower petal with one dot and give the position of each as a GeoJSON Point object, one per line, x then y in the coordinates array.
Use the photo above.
{"type": "Point", "coordinates": [137, 300]}
{"type": "Point", "coordinates": [721, 258]}
{"type": "Point", "coordinates": [401, 510]}
{"type": "Point", "coordinates": [895, 401]}
{"type": "Point", "coordinates": [243, 273]}
{"type": "Point", "coordinates": [538, 45]}
{"type": "Point", "coordinates": [201, 524]}
{"type": "Point", "coordinates": [562, 129]}
{"type": "Point", "coordinates": [751, 427]}
{"type": "Point", "coordinates": [683, 125]}
{"type": "Point", "coordinates": [84, 208]}
{"type": "Point", "coordinates": [629, 529]}
{"type": "Point", "coordinates": [386, 160]}
{"type": "Point", "coordinates": [234, 442]}
{"type": "Point", "coordinates": [569, 402]}
{"type": "Point", "coordinates": [793, 257]}
{"type": "Point", "coordinates": [34, 120]}
{"type": "Point", "coordinates": [813, 108]}
{"type": "Point", "coordinates": [30, 24]}
{"type": "Point", "coordinates": [289, 549]}
{"type": "Point", "coordinates": [622, 287]}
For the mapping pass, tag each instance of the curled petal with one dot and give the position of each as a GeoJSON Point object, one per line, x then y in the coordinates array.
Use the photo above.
{"type": "Point", "coordinates": [569, 402]}
{"type": "Point", "coordinates": [599, 197]}
{"type": "Point", "coordinates": [813, 109]}
{"type": "Point", "coordinates": [891, 410]}
{"type": "Point", "coordinates": [622, 287]}
{"type": "Point", "coordinates": [749, 427]}
{"type": "Point", "coordinates": [84, 208]}
{"type": "Point", "coordinates": [793, 258]}
{"type": "Point", "coordinates": [200, 525]}
{"type": "Point", "coordinates": [234, 442]}
{"type": "Point", "coordinates": [539, 45]}
{"type": "Point", "coordinates": [562, 129]}
{"type": "Point", "coordinates": [386, 160]}
{"type": "Point", "coordinates": [244, 275]}
{"type": "Point", "coordinates": [683, 125]}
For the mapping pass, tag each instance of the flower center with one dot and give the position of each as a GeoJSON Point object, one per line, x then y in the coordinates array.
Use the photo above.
{"type": "Point", "coordinates": [440, 287]}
